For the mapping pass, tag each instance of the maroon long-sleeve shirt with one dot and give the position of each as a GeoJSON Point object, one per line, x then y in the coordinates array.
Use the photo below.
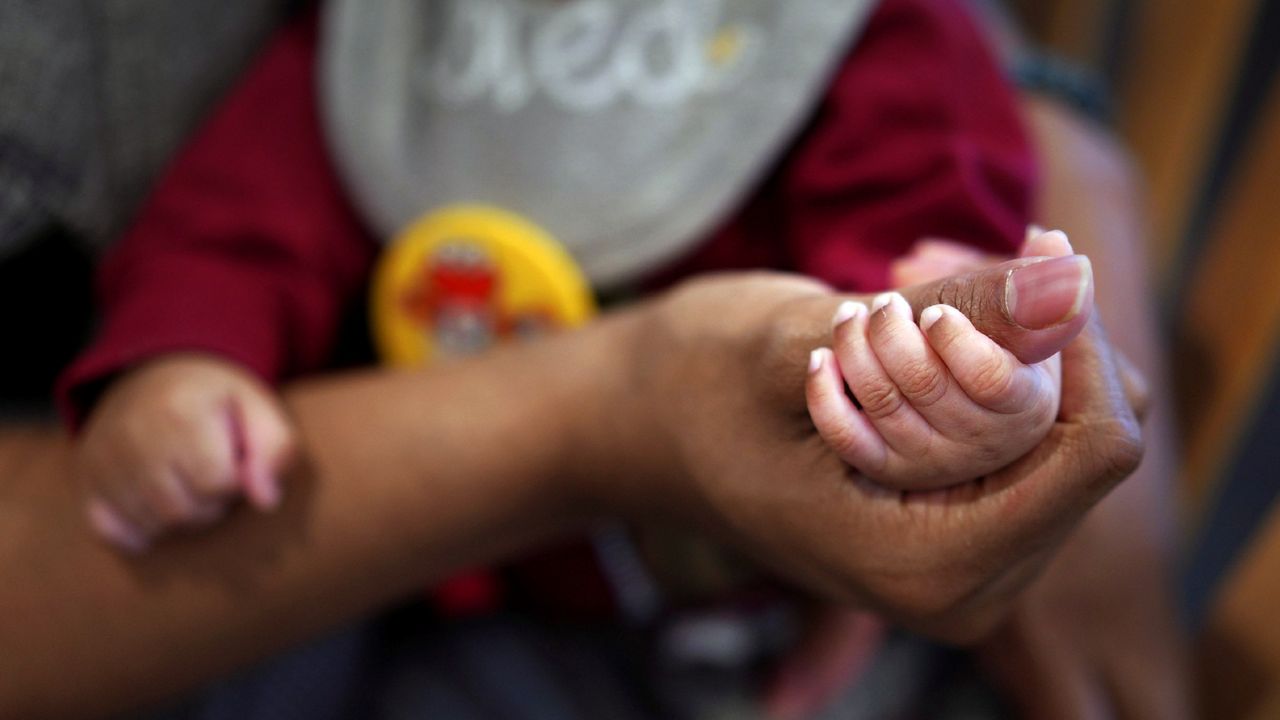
{"type": "Point", "coordinates": [248, 248]}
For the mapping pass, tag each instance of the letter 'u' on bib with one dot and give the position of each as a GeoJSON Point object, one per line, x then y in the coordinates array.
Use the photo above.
{"type": "Point", "coordinates": [461, 279]}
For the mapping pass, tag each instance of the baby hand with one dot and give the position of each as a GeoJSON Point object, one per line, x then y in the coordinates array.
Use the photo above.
{"type": "Point", "coordinates": [174, 442]}
{"type": "Point", "coordinates": [938, 403]}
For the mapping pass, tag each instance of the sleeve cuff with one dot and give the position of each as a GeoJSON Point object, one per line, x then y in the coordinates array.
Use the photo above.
{"type": "Point", "coordinates": [224, 310]}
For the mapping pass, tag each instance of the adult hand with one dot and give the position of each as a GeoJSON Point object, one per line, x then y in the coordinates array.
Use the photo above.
{"type": "Point", "coordinates": [719, 374]}
{"type": "Point", "coordinates": [1097, 635]}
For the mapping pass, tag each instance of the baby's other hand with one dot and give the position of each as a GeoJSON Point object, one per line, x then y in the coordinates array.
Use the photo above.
{"type": "Point", "coordinates": [173, 442]}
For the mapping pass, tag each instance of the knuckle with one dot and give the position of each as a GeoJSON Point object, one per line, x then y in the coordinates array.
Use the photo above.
{"type": "Point", "coordinates": [171, 410]}
{"type": "Point", "coordinates": [170, 509]}
{"type": "Point", "coordinates": [169, 513]}
{"type": "Point", "coordinates": [1122, 449]}
{"type": "Point", "coordinates": [205, 472]}
{"type": "Point", "coordinates": [991, 379]}
{"type": "Point", "coordinates": [781, 352]}
{"type": "Point", "coordinates": [1106, 452]}
{"type": "Point", "coordinates": [879, 399]}
{"type": "Point", "coordinates": [947, 291]}
{"type": "Point", "coordinates": [843, 443]}
{"type": "Point", "coordinates": [784, 338]}
{"type": "Point", "coordinates": [923, 382]}
{"type": "Point", "coordinates": [214, 482]}
{"type": "Point", "coordinates": [959, 293]}
{"type": "Point", "coordinates": [775, 352]}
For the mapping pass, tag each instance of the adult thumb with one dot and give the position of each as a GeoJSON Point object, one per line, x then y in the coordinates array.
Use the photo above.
{"type": "Point", "coordinates": [1033, 306]}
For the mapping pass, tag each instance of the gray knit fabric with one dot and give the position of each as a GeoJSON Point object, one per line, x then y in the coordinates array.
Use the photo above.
{"type": "Point", "coordinates": [96, 95]}
{"type": "Point", "coordinates": [626, 128]}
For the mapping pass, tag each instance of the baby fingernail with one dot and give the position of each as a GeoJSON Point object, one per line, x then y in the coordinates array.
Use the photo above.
{"type": "Point", "coordinates": [894, 302]}
{"type": "Point", "coordinates": [1057, 241]}
{"type": "Point", "coordinates": [1049, 244]}
{"type": "Point", "coordinates": [929, 316]}
{"type": "Point", "coordinates": [815, 360]}
{"type": "Point", "coordinates": [899, 305]}
{"type": "Point", "coordinates": [1049, 292]}
{"type": "Point", "coordinates": [847, 311]}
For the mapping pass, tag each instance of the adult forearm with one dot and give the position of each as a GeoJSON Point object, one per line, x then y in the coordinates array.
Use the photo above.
{"type": "Point", "coordinates": [1092, 191]}
{"type": "Point", "coordinates": [401, 478]}
{"type": "Point", "coordinates": [690, 410]}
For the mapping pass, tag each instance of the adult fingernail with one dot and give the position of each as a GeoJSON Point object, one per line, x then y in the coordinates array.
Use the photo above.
{"type": "Point", "coordinates": [1049, 292]}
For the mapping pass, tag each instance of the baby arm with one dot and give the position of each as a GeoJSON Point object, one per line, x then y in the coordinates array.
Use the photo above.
{"type": "Point", "coordinates": [174, 441]}
{"type": "Point", "coordinates": [937, 403]}
{"type": "Point", "coordinates": [246, 250]}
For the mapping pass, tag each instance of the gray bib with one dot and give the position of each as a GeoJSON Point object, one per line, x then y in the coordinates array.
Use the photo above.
{"type": "Point", "coordinates": [626, 128]}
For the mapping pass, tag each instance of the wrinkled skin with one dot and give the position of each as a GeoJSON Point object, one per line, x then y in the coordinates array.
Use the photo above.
{"type": "Point", "coordinates": [946, 563]}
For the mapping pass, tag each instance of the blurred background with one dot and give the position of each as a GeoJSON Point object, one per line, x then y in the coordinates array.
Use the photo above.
{"type": "Point", "coordinates": [1195, 95]}
{"type": "Point", "coordinates": [1190, 86]}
